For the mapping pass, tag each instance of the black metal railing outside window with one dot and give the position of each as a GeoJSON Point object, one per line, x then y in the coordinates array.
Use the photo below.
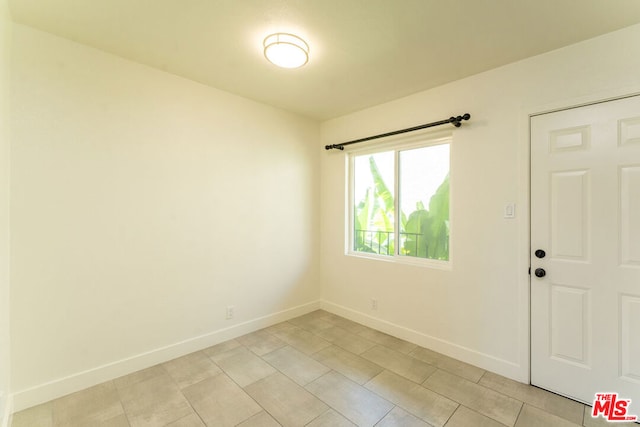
{"type": "Point", "coordinates": [382, 242]}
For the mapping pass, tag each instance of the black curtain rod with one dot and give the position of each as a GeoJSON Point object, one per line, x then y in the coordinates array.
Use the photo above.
{"type": "Point", "coordinates": [456, 121]}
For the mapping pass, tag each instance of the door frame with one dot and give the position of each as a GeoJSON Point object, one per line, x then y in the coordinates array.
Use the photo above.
{"type": "Point", "coordinates": [525, 166]}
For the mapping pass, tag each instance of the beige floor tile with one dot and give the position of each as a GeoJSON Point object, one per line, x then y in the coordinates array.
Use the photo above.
{"type": "Point", "coordinates": [192, 420]}
{"type": "Point", "coordinates": [354, 402]}
{"type": "Point", "coordinates": [388, 341]}
{"type": "Point", "coordinates": [398, 417]}
{"type": "Point", "coordinates": [221, 402]}
{"type": "Point", "coordinates": [425, 404]}
{"type": "Point", "coordinates": [94, 406]}
{"type": "Point", "coordinates": [332, 333]}
{"type": "Point", "coordinates": [286, 401]}
{"type": "Point", "coordinates": [550, 402]}
{"type": "Point", "coordinates": [334, 319]}
{"type": "Point", "coordinates": [331, 419]}
{"type": "Point", "coordinates": [140, 376]}
{"type": "Point", "coordinates": [117, 421]}
{"type": "Point", "coordinates": [354, 343]}
{"type": "Point", "coordinates": [407, 366]}
{"type": "Point", "coordinates": [223, 347]}
{"type": "Point", "coordinates": [533, 417]}
{"type": "Point", "coordinates": [589, 421]}
{"type": "Point", "coordinates": [494, 405]}
{"type": "Point", "coordinates": [41, 416]}
{"type": "Point", "coordinates": [311, 323]}
{"type": "Point", "coordinates": [296, 365]}
{"type": "Point", "coordinates": [348, 364]}
{"type": "Point", "coordinates": [154, 402]}
{"type": "Point", "coordinates": [279, 327]}
{"type": "Point", "coordinates": [303, 340]}
{"type": "Point", "coordinates": [446, 363]}
{"type": "Point", "coordinates": [465, 417]}
{"type": "Point", "coordinates": [345, 339]}
{"type": "Point", "coordinates": [243, 366]}
{"type": "Point", "coordinates": [261, 419]}
{"type": "Point", "coordinates": [261, 342]}
{"type": "Point", "coordinates": [191, 369]}
{"type": "Point", "coordinates": [218, 356]}
{"type": "Point", "coordinates": [348, 325]}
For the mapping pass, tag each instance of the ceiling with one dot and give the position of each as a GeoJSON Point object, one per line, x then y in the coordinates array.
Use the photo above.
{"type": "Point", "coordinates": [363, 52]}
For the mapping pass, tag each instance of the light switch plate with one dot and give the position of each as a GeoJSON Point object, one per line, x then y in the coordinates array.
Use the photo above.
{"type": "Point", "coordinates": [510, 210]}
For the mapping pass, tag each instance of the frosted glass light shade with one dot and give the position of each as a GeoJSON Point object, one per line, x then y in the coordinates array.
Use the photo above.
{"type": "Point", "coordinates": [286, 50]}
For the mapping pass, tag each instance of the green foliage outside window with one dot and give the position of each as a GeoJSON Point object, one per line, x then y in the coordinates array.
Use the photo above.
{"type": "Point", "coordinates": [424, 233]}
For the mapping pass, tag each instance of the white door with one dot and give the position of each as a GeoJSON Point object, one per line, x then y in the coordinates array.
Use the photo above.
{"type": "Point", "coordinates": [585, 216]}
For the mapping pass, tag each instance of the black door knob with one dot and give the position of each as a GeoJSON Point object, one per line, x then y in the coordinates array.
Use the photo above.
{"type": "Point", "coordinates": [540, 253]}
{"type": "Point", "coordinates": [540, 272]}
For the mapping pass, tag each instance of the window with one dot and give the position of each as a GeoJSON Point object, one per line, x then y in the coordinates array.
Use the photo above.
{"type": "Point", "coordinates": [400, 202]}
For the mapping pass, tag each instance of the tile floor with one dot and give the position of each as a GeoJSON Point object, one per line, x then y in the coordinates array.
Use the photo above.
{"type": "Point", "coordinates": [315, 370]}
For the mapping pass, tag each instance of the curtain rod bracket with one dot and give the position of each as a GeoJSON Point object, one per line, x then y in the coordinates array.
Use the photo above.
{"type": "Point", "coordinates": [456, 121]}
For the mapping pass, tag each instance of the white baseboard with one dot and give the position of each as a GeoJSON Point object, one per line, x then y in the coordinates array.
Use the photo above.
{"type": "Point", "coordinates": [7, 412]}
{"type": "Point", "coordinates": [24, 399]}
{"type": "Point", "coordinates": [45, 392]}
{"type": "Point", "coordinates": [482, 360]}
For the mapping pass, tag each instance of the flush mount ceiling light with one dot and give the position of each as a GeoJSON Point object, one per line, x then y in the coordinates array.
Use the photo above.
{"type": "Point", "coordinates": [286, 50]}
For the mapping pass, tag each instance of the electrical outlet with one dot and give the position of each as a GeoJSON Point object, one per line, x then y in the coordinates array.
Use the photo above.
{"type": "Point", "coordinates": [374, 304]}
{"type": "Point", "coordinates": [231, 311]}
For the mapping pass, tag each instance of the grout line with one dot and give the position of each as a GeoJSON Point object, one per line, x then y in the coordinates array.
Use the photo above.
{"type": "Point", "coordinates": [357, 384]}
{"type": "Point", "coordinates": [519, 413]}
{"type": "Point", "coordinates": [389, 411]}
{"type": "Point", "coordinates": [320, 415]}
{"type": "Point", "coordinates": [223, 372]}
{"type": "Point", "coordinates": [530, 403]}
{"type": "Point", "coordinates": [453, 413]}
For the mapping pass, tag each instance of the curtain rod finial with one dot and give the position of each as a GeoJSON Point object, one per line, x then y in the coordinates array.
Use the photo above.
{"type": "Point", "coordinates": [457, 121]}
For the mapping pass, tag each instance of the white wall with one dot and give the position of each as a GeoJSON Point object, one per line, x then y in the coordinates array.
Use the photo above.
{"type": "Point", "coordinates": [5, 45]}
{"type": "Point", "coordinates": [477, 312]}
{"type": "Point", "coordinates": [143, 204]}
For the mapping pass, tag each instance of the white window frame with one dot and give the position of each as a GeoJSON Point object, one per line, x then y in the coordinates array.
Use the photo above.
{"type": "Point", "coordinates": [396, 145]}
